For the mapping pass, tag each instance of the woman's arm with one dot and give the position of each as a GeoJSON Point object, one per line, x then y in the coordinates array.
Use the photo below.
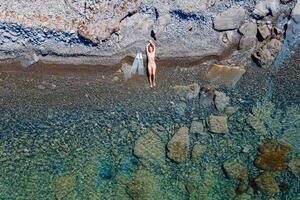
{"type": "Point", "coordinates": [147, 48]}
{"type": "Point", "coordinates": [153, 45]}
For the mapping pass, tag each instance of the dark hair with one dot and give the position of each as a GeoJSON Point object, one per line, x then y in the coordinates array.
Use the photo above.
{"type": "Point", "coordinates": [151, 45]}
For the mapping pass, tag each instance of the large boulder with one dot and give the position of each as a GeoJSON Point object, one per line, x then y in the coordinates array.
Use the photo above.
{"type": "Point", "coordinates": [265, 7]}
{"type": "Point", "coordinates": [248, 30]}
{"type": "Point", "coordinates": [178, 146]}
{"type": "Point", "coordinates": [266, 53]}
{"type": "Point", "coordinates": [230, 19]}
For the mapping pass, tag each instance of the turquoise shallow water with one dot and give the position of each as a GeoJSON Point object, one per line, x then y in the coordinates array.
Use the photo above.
{"type": "Point", "coordinates": [115, 147]}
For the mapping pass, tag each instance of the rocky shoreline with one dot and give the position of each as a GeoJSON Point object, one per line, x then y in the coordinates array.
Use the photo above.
{"type": "Point", "coordinates": [86, 32]}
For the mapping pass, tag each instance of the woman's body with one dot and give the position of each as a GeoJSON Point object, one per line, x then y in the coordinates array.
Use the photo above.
{"type": "Point", "coordinates": [151, 63]}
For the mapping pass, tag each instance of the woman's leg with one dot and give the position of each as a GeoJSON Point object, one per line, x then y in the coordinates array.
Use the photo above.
{"type": "Point", "coordinates": [150, 76]}
{"type": "Point", "coordinates": [154, 75]}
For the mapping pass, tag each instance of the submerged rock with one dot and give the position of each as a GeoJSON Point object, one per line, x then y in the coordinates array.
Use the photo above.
{"type": "Point", "coordinates": [207, 94]}
{"type": "Point", "coordinates": [198, 150]}
{"type": "Point", "coordinates": [189, 91]}
{"type": "Point", "coordinates": [64, 185]}
{"type": "Point", "coordinates": [230, 19]}
{"type": "Point", "coordinates": [197, 127]}
{"type": "Point", "coordinates": [294, 165]}
{"type": "Point", "coordinates": [266, 183]}
{"type": "Point", "coordinates": [225, 75]}
{"type": "Point", "coordinates": [235, 170]}
{"type": "Point", "coordinates": [150, 148]}
{"type": "Point", "coordinates": [178, 146]}
{"type": "Point", "coordinates": [145, 185]}
{"type": "Point", "coordinates": [217, 124]}
{"type": "Point", "coordinates": [221, 101]}
{"type": "Point", "coordinates": [272, 156]}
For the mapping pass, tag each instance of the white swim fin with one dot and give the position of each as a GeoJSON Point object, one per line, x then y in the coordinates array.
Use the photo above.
{"type": "Point", "coordinates": [138, 65]}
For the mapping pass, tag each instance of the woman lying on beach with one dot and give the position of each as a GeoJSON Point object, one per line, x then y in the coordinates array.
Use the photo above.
{"type": "Point", "coordinates": [151, 63]}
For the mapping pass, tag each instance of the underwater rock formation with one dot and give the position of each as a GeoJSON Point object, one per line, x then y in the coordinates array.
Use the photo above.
{"type": "Point", "coordinates": [145, 185]}
{"type": "Point", "coordinates": [197, 127]}
{"type": "Point", "coordinates": [272, 156]}
{"type": "Point", "coordinates": [235, 170]}
{"type": "Point", "coordinates": [217, 124]}
{"type": "Point", "coordinates": [267, 184]}
{"type": "Point", "coordinates": [225, 75]}
{"type": "Point", "coordinates": [150, 148]}
{"type": "Point", "coordinates": [64, 185]}
{"type": "Point", "coordinates": [178, 146]}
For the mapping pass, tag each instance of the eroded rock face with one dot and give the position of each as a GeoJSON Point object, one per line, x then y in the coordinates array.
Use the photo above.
{"type": "Point", "coordinates": [178, 146]}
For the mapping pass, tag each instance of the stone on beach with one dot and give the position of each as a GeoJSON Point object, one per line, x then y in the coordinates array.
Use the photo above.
{"type": "Point", "coordinates": [229, 19]}
{"type": "Point", "coordinates": [225, 75]}
{"type": "Point", "coordinates": [178, 146]}
{"type": "Point", "coordinates": [217, 124]}
{"type": "Point", "coordinates": [150, 148]}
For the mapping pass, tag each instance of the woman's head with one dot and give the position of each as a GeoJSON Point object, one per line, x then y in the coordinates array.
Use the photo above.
{"type": "Point", "coordinates": [150, 48]}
